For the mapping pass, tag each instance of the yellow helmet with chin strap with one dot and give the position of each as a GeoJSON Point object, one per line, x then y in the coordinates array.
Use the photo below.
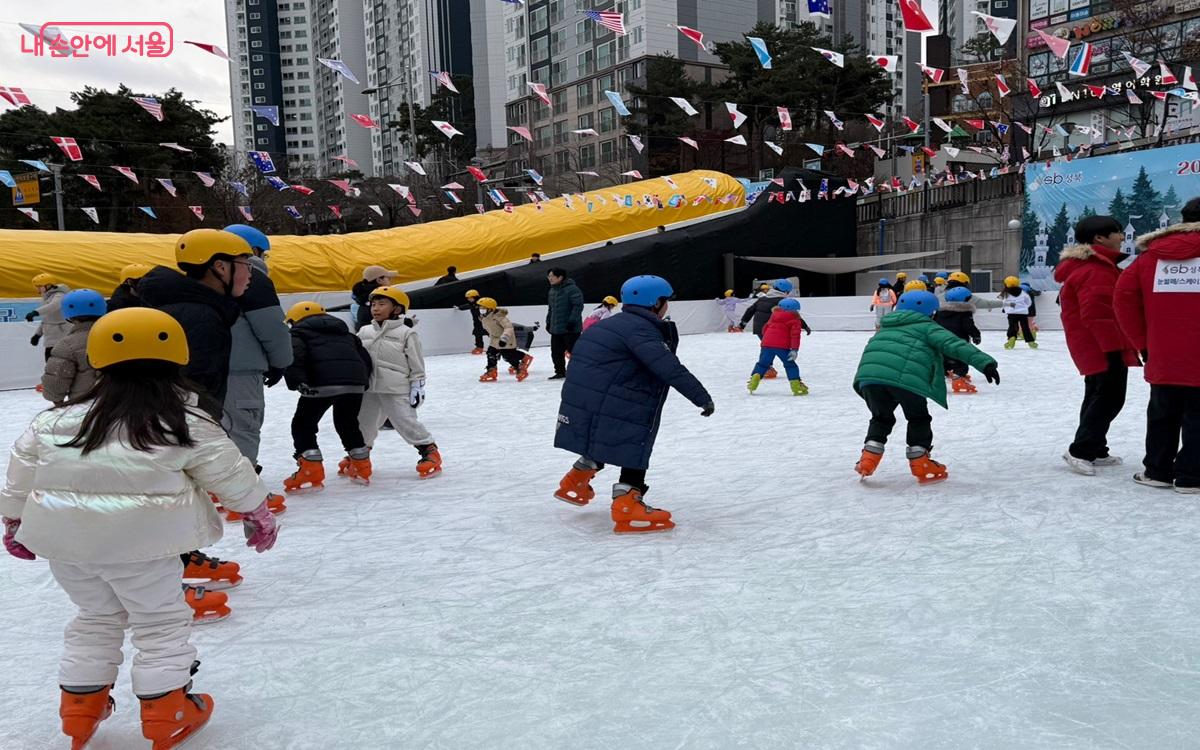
{"type": "Point", "coordinates": [1012, 281]}
{"type": "Point", "coordinates": [610, 300]}
{"type": "Point", "coordinates": [916, 286]}
{"type": "Point", "coordinates": [394, 293]}
{"type": "Point", "coordinates": [44, 279]}
{"type": "Point", "coordinates": [960, 277]}
{"type": "Point", "coordinates": [302, 310]}
{"type": "Point", "coordinates": [487, 303]}
{"type": "Point", "coordinates": [199, 246]}
{"type": "Point", "coordinates": [136, 333]}
{"type": "Point", "coordinates": [134, 271]}
{"type": "Point", "coordinates": [471, 294]}
{"type": "Point", "coordinates": [938, 280]}
{"type": "Point", "coordinates": [728, 292]}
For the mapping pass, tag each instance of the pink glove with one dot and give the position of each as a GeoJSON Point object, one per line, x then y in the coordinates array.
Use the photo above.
{"type": "Point", "coordinates": [260, 529]}
{"type": "Point", "coordinates": [15, 548]}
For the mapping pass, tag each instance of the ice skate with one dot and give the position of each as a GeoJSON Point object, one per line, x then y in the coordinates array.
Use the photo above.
{"type": "Point", "coordinates": [1108, 461]}
{"type": "Point", "coordinates": [512, 370]}
{"type": "Point", "coordinates": [430, 464]}
{"type": "Point", "coordinates": [1187, 490]}
{"type": "Point", "coordinates": [1146, 481]}
{"type": "Point", "coordinates": [963, 385]}
{"type": "Point", "coordinates": [275, 504]}
{"type": "Point", "coordinates": [771, 374]}
{"type": "Point", "coordinates": [81, 714]}
{"type": "Point", "coordinates": [1080, 465]}
{"type": "Point", "coordinates": [489, 376]}
{"type": "Point", "coordinates": [752, 385]}
{"type": "Point", "coordinates": [213, 573]}
{"type": "Point", "coordinates": [799, 388]}
{"type": "Point", "coordinates": [359, 469]}
{"type": "Point", "coordinates": [576, 487]}
{"type": "Point", "coordinates": [733, 329]}
{"type": "Point", "coordinates": [632, 516]}
{"type": "Point", "coordinates": [1010, 343]}
{"type": "Point", "coordinates": [207, 606]}
{"type": "Point", "coordinates": [868, 462]}
{"type": "Point", "coordinates": [924, 468]}
{"type": "Point", "coordinates": [169, 720]}
{"type": "Point", "coordinates": [309, 475]}
{"type": "Point", "coordinates": [1031, 344]}
{"type": "Point", "coordinates": [523, 370]}
{"type": "Point", "coordinates": [477, 350]}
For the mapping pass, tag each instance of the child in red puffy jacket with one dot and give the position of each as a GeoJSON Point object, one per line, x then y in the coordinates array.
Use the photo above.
{"type": "Point", "coordinates": [781, 338]}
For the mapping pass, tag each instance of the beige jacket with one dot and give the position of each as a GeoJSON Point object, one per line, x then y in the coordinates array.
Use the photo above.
{"type": "Point", "coordinates": [498, 326]}
{"type": "Point", "coordinates": [396, 355]}
{"type": "Point", "coordinates": [68, 373]}
{"type": "Point", "coordinates": [116, 504]}
{"type": "Point", "coordinates": [52, 326]}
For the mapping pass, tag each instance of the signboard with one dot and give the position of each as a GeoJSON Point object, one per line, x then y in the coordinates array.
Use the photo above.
{"type": "Point", "coordinates": [28, 190]}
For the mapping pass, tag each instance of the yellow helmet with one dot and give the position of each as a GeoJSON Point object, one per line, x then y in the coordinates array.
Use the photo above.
{"type": "Point", "coordinates": [764, 287]}
{"type": "Point", "coordinates": [610, 300]}
{"type": "Point", "coordinates": [302, 310]}
{"type": "Point", "coordinates": [960, 277]}
{"type": "Point", "coordinates": [44, 279]}
{"type": "Point", "coordinates": [916, 286]}
{"type": "Point", "coordinates": [198, 246]}
{"type": "Point", "coordinates": [487, 303]}
{"type": "Point", "coordinates": [471, 294]}
{"type": "Point", "coordinates": [394, 293]}
{"type": "Point", "coordinates": [901, 275]}
{"type": "Point", "coordinates": [939, 280]}
{"type": "Point", "coordinates": [728, 292]}
{"type": "Point", "coordinates": [136, 333]}
{"type": "Point", "coordinates": [1012, 281]}
{"type": "Point", "coordinates": [134, 271]}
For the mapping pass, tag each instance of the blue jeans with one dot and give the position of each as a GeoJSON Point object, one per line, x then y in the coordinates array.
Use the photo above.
{"type": "Point", "coordinates": [768, 355]}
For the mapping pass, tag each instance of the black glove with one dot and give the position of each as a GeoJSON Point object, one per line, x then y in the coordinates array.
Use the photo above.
{"type": "Point", "coordinates": [35, 338]}
{"type": "Point", "coordinates": [992, 374]}
{"type": "Point", "coordinates": [273, 376]}
{"type": "Point", "coordinates": [708, 409]}
{"type": "Point", "coordinates": [1116, 360]}
{"type": "Point", "coordinates": [30, 316]}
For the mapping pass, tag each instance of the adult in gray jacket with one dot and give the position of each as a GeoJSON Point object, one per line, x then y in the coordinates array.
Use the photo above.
{"type": "Point", "coordinates": [564, 319]}
{"type": "Point", "coordinates": [262, 349]}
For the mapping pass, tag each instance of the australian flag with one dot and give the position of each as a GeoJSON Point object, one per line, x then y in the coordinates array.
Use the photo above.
{"type": "Point", "coordinates": [240, 187]}
{"type": "Point", "coordinates": [819, 8]}
{"type": "Point", "coordinates": [262, 160]}
{"type": "Point", "coordinates": [292, 212]}
{"type": "Point", "coordinates": [277, 183]}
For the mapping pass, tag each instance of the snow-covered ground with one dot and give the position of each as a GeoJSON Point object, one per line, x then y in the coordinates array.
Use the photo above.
{"type": "Point", "coordinates": [1016, 605]}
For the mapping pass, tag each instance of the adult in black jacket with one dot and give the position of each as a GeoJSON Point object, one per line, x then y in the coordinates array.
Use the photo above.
{"type": "Point", "coordinates": [564, 318]}
{"type": "Point", "coordinates": [901, 280]}
{"type": "Point", "coordinates": [957, 315]}
{"type": "Point", "coordinates": [124, 296]}
{"type": "Point", "coordinates": [373, 278]}
{"type": "Point", "coordinates": [760, 310]}
{"type": "Point", "coordinates": [449, 278]}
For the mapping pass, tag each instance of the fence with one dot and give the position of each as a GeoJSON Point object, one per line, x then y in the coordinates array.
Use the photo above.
{"type": "Point", "coordinates": [928, 199]}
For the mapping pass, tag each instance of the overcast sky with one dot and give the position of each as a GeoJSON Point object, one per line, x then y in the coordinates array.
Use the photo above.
{"type": "Point", "coordinates": [49, 81]}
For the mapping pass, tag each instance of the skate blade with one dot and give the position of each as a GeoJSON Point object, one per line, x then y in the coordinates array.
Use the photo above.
{"type": "Point", "coordinates": [214, 584]}
{"type": "Point", "coordinates": [306, 490]}
{"type": "Point", "coordinates": [360, 480]}
{"type": "Point", "coordinates": [182, 738]}
{"type": "Point", "coordinates": [215, 615]}
{"type": "Point", "coordinates": [932, 480]}
{"type": "Point", "coordinates": [80, 743]}
{"type": "Point", "coordinates": [577, 501]}
{"type": "Point", "coordinates": [628, 529]}
{"type": "Point", "coordinates": [429, 475]}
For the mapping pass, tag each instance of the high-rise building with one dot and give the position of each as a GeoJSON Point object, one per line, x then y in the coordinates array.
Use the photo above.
{"type": "Point", "coordinates": [878, 27]}
{"type": "Point", "coordinates": [340, 35]}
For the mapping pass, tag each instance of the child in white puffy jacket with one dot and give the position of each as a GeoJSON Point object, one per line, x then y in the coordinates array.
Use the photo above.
{"type": "Point", "coordinates": [398, 378]}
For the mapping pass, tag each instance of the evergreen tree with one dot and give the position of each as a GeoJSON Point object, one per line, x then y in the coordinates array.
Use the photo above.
{"type": "Point", "coordinates": [1173, 206]}
{"type": "Point", "coordinates": [659, 122]}
{"type": "Point", "coordinates": [1030, 226]}
{"type": "Point", "coordinates": [1087, 211]}
{"type": "Point", "coordinates": [458, 110]}
{"type": "Point", "coordinates": [1118, 208]}
{"type": "Point", "coordinates": [1145, 203]}
{"type": "Point", "coordinates": [1058, 235]}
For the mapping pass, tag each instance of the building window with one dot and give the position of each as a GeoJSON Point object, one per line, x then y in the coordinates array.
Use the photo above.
{"type": "Point", "coordinates": [257, 71]}
{"type": "Point", "coordinates": [586, 121]}
{"type": "Point", "coordinates": [256, 58]}
{"type": "Point", "coordinates": [585, 63]}
{"type": "Point", "coordinates": [562, 161]}
{"type": "Point", "coordinates": [587, 157]}
{"type": "Point", "coordinates": [256, 43]}
{"type": "Point", "coordinates": [539, 20]}
{"type": "Point", "coordinates": [255, 16]}
{"type": "Point", "coordinates": [539, 49]}
{"type": "Point", "coordinates": [261, 128]}
{"type": "Point", "coordinates": [608, 151]}
{"type": "Point", "coordinates": [583, 94]}
{"type": "Point", "coordinates": [583, 32]}
{"type": "Point", "coordinates": [256, 29]}
{"type": "Point", "coordinates": [606, 55]}
{"type": "Point", "coordinates": [542, 137]}
{"type": "Point", "coordinates": [608, 119]}
{"type": "Point", "coordinates": [259, 86]}
{"type": "Point", "coordinates": [260, 100]}
{"type": "Point", "coordinates": [560, 102]}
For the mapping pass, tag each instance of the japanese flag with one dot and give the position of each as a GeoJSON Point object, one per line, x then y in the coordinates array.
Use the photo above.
{"type": "Point", "coordinates": [887, 62]}
{"type": "Point", "coordinates": [446, 128]}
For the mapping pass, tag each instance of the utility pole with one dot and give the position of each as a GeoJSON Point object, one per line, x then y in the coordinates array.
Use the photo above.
{"type": "Point", "coordinates": [57, 170]}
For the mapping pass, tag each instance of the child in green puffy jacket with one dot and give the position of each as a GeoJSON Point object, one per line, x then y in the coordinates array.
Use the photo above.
{"type": "Point", "coordinates": [903, 365]}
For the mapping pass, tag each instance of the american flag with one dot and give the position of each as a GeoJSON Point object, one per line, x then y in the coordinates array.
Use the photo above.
{"type": "Point", "coordinates": [151, 105]}
{"type": "Point", "coordinates": [609, 19]}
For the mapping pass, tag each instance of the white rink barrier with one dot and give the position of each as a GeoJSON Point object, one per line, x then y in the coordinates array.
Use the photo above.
{"type": "Point", "coordinates": [448, 331]}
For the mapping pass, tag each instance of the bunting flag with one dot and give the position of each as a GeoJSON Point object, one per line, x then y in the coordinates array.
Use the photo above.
{"type": "Point", "coordinates": [685, 105]}
{"type": "Point", "coordinates": [837, 58]}
{"type": "Point", "coordinates": [785, 118]}
{"type": "Point", "coordinates": [148, 211]}
{"type": "Point", "coordinates": [211, 49]}
{"type": "Point", "coordinates": [205, 178]}
{"type": "Point", "coordinates": [887, 62]}
{"type": "Point", "coordinates": [694, 35]}
{"type": "Point", "coordinates": [338, 67]}
{"type": "Point", "coordinates": [933, 74]}
{"type": "Point", "coordinates": [480, 208]}
{"type": "Point", "coordinates": [376, 209]}
{"type": "Point", "coordinates": [151, 105]}
{"type": "Point", "coordinates": [690, 142]}
{"type": "Point", "coordinates": [452, 196]}
{"type": "Point", "coordinates": [347, 161]}
{"type": "Point", "coordinates": [816, 147]}
{"type": "Point", "coordinates": [68, 147]}
{"type": "Point", "coordinates": [14, 96]}
{"type": "Point", "coordinates": [637, 142]}
{"type": "Point", "coordinates": [1189, 80]}
{"type": "Point", "coordinates": [416, 167]}
{"type": "Point", "coordinates": [246, 214]}
{"type": "Point", "coordinates": [1034, 90]}
{"type": "Point", "coordinates": [1001, 28]}
{"type": "Point", "coordinates": [942, 124]}
{"type": "Point", "coordinates": [1028, 130]}
{"type": "Point", "coordinates": [336, 211]}
{"type": "Point", "coordinates": [30, 212]}
{"type": "Point", "coordinates": [268, 113]}
{"type": "Point", "coordinates": [128, 173]}
{"type": "Point", "coordinates": [1160, 95]}
{"type": "Point", "coordinates": [632, 173]}
{"type": "Point", "coordinates": [1002, 86]}
{"type": "Point", "coordinates": [1166, 77]}
{"type": "Point", "coordinates": [737, 140]}
{"type": "Point", "coordinates": [774, 147]}
{"type": "Point", "coordinates": [240, 187]}
{"type": "Point", "coordinates": [843, 148]}
{"type": "Point", "coordinates": [963, 78]}
{"type": "Point", "coordinates": [586, 132]}
{"type": "Point", "coordinates": [1025, 153]}
{"type": "Point", "coordinates": [344, 185]}
{"type": "Point", "coordinates": [415, 211]}
{"type": "Point", "coordinates": [537, 179]}
{"type": "Point", "coordinates": [760, 48]}
{"type": "Point", "coordinates": [442, 78]}
{"type": "Point", "coordinates": [302, 189]}
{"type": "Point", "coordinates": [819, 8]}
{"type": "Point", "coordinates": [1064, 93]}
{"type": "Point", "coordinates": [93, 181]}
{"type": "Point", "coordinates": [1057, 45]}
{"type": "Point", "coordinates": [879, 153]}
{"type": "Point", "coordinates": [876, 122]}
{"type": "Point", "coordinates": [477, 173]}
{"type": "Point", "coordinates": [914, 16]}
{"type": "Point", "coordinates": [277, 183]}
{"type": "Point", "coordinates": [168, 185]}
{"type": "Point", "coordinates": [618, 105]}
{"type": "Point", "coordinates": [261, 160]}
{"type": "Point", "coordinates": [823, 190]}
{"type": "Point", "coordinates": [176, 147]}
{"type": "Point", "coordinates": [91, 213]}
{"type": "Point", "coordinates": [37, 164]}
{"type": "Point", "coordinates": [522, 131]}
{"type": "Point", "coordinates": [292, 211]}
{"type": "Point", "coordinates": [1097, 91]}
{"type": "Point", "coordinates": [449, 130]}
{"type": "Point", "coordinates": [364, 120]}
{"type": "Point", "coordinates": [1139, 68]}
{"type": "Point", "coordinates": [199, 211]}
{"type": "Point", "coordinates": [448, 186]}
{"type": "Point", "coordinates": [1082, 62]}
{"type": "Point", "coordinates": [1001, 128]}
{"type": "Point", "coordinates": [738, 117]}
{"type": "Point", "coordinates": [539, 89]}
{"type": "Point", "coordinates": [402, 190]}
{"type": "Point", "coordinates": [833, 118]}
{"type": "Point", "coordinates": [912, 124]}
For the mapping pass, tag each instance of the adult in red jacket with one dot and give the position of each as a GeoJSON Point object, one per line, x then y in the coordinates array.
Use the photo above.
{"type": "Point", "coordinates": [1088, 273]}
{"type": "Point", "coordinates": [1158, 307]}
{"type": "Point", "coordinates": [781, 339]}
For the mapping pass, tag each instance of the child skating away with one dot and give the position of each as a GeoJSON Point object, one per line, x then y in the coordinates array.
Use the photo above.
{"type": "Point", "coordinates": [883, 301]}
{"type": "Point", "coordinates": [606, 309]}
{"type": "Point", "coordinates": [67, 373]}
{"type": "Point", "coordinates": [903, 366]}
{"type": "Point", "coordinates": [331, 370]}
{"type": "Point", "coordinates": [781, 338]}
{"type": "Point", "coordinates": [397, 384]}
{"type": "Point", "coordinates": [51, 325]}
{"type": "Point", "coordinates": [502, 342]}
{"type": "Point", "coordinates": [1016, 302]}
{"type": "Point", "coordinates": [472, 306]}
{"type": "Point", "coordinates": [621, 371]}
{"type": "Point", "coordinates": [957, 315]}
{"type": "Point", "coordinates": [112, 488]}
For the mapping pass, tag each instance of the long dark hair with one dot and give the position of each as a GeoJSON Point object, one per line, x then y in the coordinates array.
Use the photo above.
{"type": "Point", "coordinates": [142, 402]}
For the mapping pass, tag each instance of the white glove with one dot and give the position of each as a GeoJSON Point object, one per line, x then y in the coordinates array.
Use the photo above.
{"type": "Point", "coordinates": [792, 355]}
{"type": "Point", "coordinates": [416, 394]}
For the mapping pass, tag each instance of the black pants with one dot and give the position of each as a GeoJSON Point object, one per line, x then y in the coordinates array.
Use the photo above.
{"type": "Point", "coordinates": [1174, 410]}
{"type": "Point", "coordinates": [632, 477]}
{"type": "Point", "coordinates": [882, 400]}
{"type": "Point", "coordinates": [1103, 398]}
{"type": "Point", "coordinates": [560, 345]}
{"type": "Point", "coordinates": [512, 356]}
{"type": "Point", "coordinates": [310, 410]}
{"type": "Point", "coordinates": [478, 332]}
{"type": "Point", "coordinates": [1021, 321]}
{"type": "Point", "coordinates": [956, 366]}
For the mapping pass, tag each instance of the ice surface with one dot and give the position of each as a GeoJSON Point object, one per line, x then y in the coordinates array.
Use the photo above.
{"type": "Point", "coordinates": [1016, 605]}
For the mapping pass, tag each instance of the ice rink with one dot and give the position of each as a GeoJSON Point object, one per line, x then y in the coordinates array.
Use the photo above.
{"type": "Point", "coordinates": [1017, 605]}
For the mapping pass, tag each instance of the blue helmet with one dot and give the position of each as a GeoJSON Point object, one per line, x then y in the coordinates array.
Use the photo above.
{"type": "Point", "coordinates": [83, 303]}
{"type": "Point", "coordinates": [791, 303]}
{"type": "Point", "coordinates": [923, 278]}
{"type": "Point", "coordinates": [884, 282]}
{"type": "Point", "coordinates": [645, 291]}
{"type": "Point", "coordinates": [1026, 287]}
{"type": "Point", "coordinates": [958, 294]}
{"type": "Point", "coordinates": [253, 237]}
{"type": "Point", "coordinates": [782, 285]}
{"type": "Point", "coordinates": [925, 303]}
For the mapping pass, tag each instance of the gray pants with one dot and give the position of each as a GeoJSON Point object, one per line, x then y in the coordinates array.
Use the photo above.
{"type": "Point", "coordinates": [245, 409]}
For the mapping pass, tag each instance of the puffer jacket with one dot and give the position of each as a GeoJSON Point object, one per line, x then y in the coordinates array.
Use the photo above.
{"type": "Point", "coordinates": [260, 338]}
{"type": "Point", "coordinates": [617, 382]}
{"type": "Point", "coordinates": [68, 373]}
{"type": "Point", "coordinates": [1088, 275]}
{"type": "Point", "coordinates": [782, 331]}
{"type": "Point", "coordinates": [361, 294]}
{"type": "Point", "coordinates": [1165, 324]}
{"type": "Point", "coordinates": [395, 350]}
{"type": "Point", "coordinates": [52, 326]}
{"type": "Point", "coordinates": [597, 315]}
{"type": "Point", "coordinates": [958, 318]}
{"type": "Point", "coordinates": [327, 359]}
{"type": "Point", "coordinates": [125, 295]}
{"type": "Point", "coordinates": [119, 505]}
{"type": "Point", "coordinates": [565, 312]}
{"type": "Point", "coordinates": [498, 326]}
{"type": "Point", "coordinates": [760, 310]}
{"type": "Point", "coordinates": [908, 352]}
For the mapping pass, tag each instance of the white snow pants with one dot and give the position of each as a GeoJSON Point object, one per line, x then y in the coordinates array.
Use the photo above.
{"type": "Point", "coordinates": [380, 407]}
{"type": "Point", "coordinates": [146, 597]}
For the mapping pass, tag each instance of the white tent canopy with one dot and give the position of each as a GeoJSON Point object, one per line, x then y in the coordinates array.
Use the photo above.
{"type": "Point", "coordinates": [841, 265]}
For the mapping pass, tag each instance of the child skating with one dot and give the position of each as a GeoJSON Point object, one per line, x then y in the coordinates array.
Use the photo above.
{"type": "Point", "coordinates": [67, 373]}
{"type": "Point", "coordinates": [331, 370]}
{"type": "Point", "coordinates": [781, 339]}
{"type": "Point", "coordinates": [112, 490]}
{"type": "Point", "coordinates": [1016, 302]}
{"type": "Point", "coordinates": [957, 315]}
{"type": "Point", "coordinates": [471, 305]}
{"type": "Point", "coordinates": [397, 384]}
{"type": "Point", "coordinates": [621, 371]}
{"type": "Point", "coordinates": [606, 309]}
{"type": "Point", "coordinates": [883, 301]}
{"type": "Point", "coordinates": [903, 366]}
{"type": "Point", "coordinates": [728, 304]}
{"type": "Point", "coordinates": [502, 342]}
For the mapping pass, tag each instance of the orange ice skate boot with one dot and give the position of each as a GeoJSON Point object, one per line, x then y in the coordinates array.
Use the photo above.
{"type": "Point", "coordinates": [81, 713]}
{"type": "Point", "coordinates": [576, 487]}
{"type": "Point", "coordinates": [631, 516]}
{"type": "Point", "coordinates": [213, 573]}
{"type": "Point", "coordinates": [358, 469]}
{"type": "Point", "coordinates": [772, 373]}
{"type": "Point", "coordinates": [963, 385]}
{"type": "Point", "coordinates": [523, 370]}
{"type": "Point", "coordinates": [170, 719]}
{"type": "Point", "coordinates": [430, 463]}
{"type": "Point", "coordinates": [207, 606]}
{"type": "Point", "coordinates": [924, 468]}
{"type": "Point", "coordinates": [489, 376]}
{"type": "Point", "coordinates": [477, 350]}
{"type": "Point", "coordinates": [872, 454]}
{"type": "Point", "coordinates": [309, 475]}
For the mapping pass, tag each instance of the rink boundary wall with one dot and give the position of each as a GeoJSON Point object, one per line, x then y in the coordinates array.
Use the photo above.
{"type": "Point", "coordinates": [448, 331]}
